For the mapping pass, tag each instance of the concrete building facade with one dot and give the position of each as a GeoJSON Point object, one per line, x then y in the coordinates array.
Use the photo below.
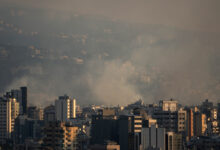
{"type": "Point", "coordinates": [60, 136]}
{"type": "Point", "coordinates": [65, 108]}
{"type": "Point", "coordinates": [9, 110]}
{"type": "Point", "coordinates": [174, 141]}
{"type": "Point", "coordinates": [153, 137]}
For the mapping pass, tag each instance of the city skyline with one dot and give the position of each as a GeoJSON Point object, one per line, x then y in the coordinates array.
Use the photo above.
{"type": "Point", "coordinates": [165, 125]}
{"type": "Point", "coordinates": [109, 75]}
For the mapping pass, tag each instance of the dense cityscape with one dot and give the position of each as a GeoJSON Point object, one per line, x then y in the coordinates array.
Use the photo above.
{"type": "Point", "coordinates": [64, 125]}
{"type": "Point", "coordinates": [109, 75]}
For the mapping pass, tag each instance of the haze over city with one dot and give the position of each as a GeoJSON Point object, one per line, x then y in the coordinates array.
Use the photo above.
{"type": "Point", "coordinates": [111, 52]}
{"type": "Point", "coordinates": [109, 75]}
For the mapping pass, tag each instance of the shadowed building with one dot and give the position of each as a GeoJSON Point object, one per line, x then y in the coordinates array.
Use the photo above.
{"type": "Point", "coordinates": [205, 143]}
{"type": "Point", "coordinates": [199, 124]}
{"type": "Point", "coordinates": [206, 108]}
{"type": "Point", "coordinates": [35, 113]}
{"type": "Point", "coordinates": [174, 141]}
{"type": "Point", "coordinates": [27, 128]}
{"type": "Point", "coordinates": [109, 145]}
{"type": "Point", "coordinates": [24, 99]}
{"type": "Point", "coordinates": [189, 124]}
{"type": "Point", "coordinates": [103, 129]}
{"type": "Point", "coordinates": [49, 113]}
{"type": "Point", "coordinates": [129, 132]}
{"type": "Point", "coordinates": [168, 116]}
{"type": "Point", "coordinates": [167, 119]}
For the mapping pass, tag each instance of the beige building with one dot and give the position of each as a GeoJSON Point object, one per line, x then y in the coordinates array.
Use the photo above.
{"type": "Point", "coordinates": [149, 122]}
{"type": "Point", "coordinates": [137, 124]}
{"type": "Point", "coordinates": [9, 110]}
{"type": "Point", "coordinates": [181, 120]}
{"type": "Point", "coordinates": [60, 136]}
{"type": "Point", "coordinates": [168, 105]}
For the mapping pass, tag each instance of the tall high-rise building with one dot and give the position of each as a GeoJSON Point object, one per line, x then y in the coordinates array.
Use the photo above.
{"type": "Point", "coordinates": [199, 124]}
{"type": "Point", "coordinates": [24, 99]}
{"type": "Point", "coordinates": [17, 95]}
{"type": "Point", "coordinates": [189, 124]}
{"type": "Point", "coordinates": [129, 132]}
{"type": "Point", "coordinates": [153, 138]}
{"type": "Point", "coordinates": [73, 108]}
{"type": "Point", "coordinates": [21, 96]}
{"type": "Point", "coordinates": [103, 128]}
{"type": "Point", "coordinates": [5, 123]}
{"type": "Point", "coordinates": [9, 110]}
{"type": "Point", "coordinates": [65, 108]}
{"type": "Point", "coordinates": [14, 112]}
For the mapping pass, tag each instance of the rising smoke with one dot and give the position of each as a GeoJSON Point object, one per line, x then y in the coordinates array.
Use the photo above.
{"type": "Point", "coordinates": [98, 59]}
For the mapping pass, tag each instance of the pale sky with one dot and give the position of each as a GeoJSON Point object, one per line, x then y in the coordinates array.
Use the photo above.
{"type": "Point", "coordinates": [203, 15]}
{"type": "Point", "coordinates": [123, 49]}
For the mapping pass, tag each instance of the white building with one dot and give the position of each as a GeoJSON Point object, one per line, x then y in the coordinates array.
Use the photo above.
{"type": "Point", "coordinates": [153, 137]}
{"type": "Point", "coordinates": [9, 110]}
{"type": "Point", "coordinates": [65, 108]}
{"type": "Point", "coordinates": [181, 120]}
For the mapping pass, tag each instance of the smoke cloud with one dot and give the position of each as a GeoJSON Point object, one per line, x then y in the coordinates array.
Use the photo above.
{"type": "Point", "coordinates": [148, 51]}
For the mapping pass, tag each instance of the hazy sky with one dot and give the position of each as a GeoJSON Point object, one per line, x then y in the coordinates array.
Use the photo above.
{"type": "Point", "coordinates": [201, 15]}
{"type": "Point", "coordinates": [112, 51]}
